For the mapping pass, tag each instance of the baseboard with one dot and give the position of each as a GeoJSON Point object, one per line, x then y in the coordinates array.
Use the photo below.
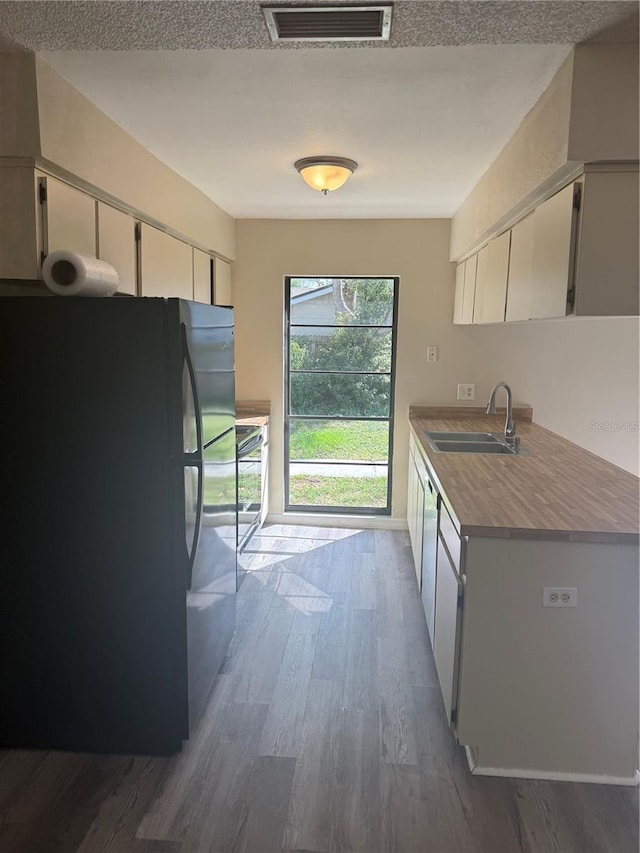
{"type": "Point", "coordinates": [359, 522]}
{"type": "Point", "coordinates": [547, 775]}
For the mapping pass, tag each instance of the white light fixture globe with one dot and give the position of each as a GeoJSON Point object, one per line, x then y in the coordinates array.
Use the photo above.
{"type": "Point", "coordinates": [325, 174]}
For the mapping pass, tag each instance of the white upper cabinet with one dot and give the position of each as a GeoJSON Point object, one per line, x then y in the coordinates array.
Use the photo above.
{"type": "Point", "coordinates": [458, 299]}
{"type": "Point", "coordinates": [201, 277]}
{"type": "Point", "coordinates": [491, 281]}
{"type": "Point", "coordinates": [553, 251]}
{"type": "Point", "coordinates": [222, 290]}
{"type": "Point", "coordinates": [470, 273]}
{"type": "Point", "coordinates": [578, 251]}
{"type": "Point", "coordinates": [117, 244]}
{"type": "Point", "coordinates": [68, 218]}
{"type": "Point", "coordinates": [166, 265]}
{"type": "Point", "coordinates": [465, 291]}
{"type": "Point", "coordinates": [607, 257]}
{"type": "Point", "coordinates": [520, 270]}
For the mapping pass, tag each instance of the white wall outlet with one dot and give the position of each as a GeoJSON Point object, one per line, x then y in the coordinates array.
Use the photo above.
{"type": "Point", "coordinates": [432, 354]}
{"type": "Point", "coordinates": [559, 596]}
{"type": "Point", "coordinates": [467, 391]}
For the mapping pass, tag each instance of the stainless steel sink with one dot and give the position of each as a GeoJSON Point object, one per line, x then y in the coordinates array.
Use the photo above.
{"type": "Point", "coordinates": [473, 442]}
{"type": "Point", "coordinates": [462, 436]}
{"type": "Point", "coordinates": [472, 447]}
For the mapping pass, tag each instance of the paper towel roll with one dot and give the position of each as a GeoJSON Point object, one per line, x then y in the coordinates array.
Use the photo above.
{"type": "Point", "coordinates": [70, 273]}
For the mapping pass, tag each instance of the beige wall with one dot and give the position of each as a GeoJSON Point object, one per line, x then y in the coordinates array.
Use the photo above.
{"type": "Point", "coordinates": [415, 250]}
{"type": "Point", "coordinates": [536, 153]}
{"type": "Point", "coordinates": [43, 117]}
{"type": "Point", "coordinates": [19, 132]}
{"type": "Point", "coordinates": [579, 374]}
{"type": "Point", "coordinates": [604, 103]}
{"type": "Point", "coordinates": [588, 113]}
{"type": "Point", "coordinates": [78, 137]}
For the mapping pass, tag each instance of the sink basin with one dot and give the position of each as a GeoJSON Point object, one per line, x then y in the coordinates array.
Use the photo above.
{"type": "Point", "coordinates": [462, 436]}
{"type": "Point", "coordinates": [472, 447]}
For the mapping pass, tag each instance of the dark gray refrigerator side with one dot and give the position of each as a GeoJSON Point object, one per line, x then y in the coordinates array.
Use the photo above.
{"type": "Point", "coordinates": [210, 492]}
{"type": "Point", "coordinates": [94, 546]}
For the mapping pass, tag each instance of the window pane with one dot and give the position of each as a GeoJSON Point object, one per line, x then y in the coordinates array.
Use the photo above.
{"type": "Point", "coordinates": [331, 394]}
{"type": "Point", "coordinates": [345, 349]}
{"type": "Point", "coordinates": [338, 485]}
{"type": "Point", "coordinates": [361, 441]}
{"type": "Point", "coordinates": [342, 301]}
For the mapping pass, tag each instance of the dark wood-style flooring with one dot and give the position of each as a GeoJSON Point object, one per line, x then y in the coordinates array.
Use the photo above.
{"type": "Point", "coordinates": [325, 731]}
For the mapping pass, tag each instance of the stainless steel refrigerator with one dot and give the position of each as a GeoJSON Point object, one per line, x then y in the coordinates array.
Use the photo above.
{"type": "Point", "coordinates": [117, 519]}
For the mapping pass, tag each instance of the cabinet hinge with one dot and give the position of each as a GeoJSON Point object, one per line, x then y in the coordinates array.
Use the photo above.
{"type": "Point", "coordinates": [454, 715]}
{"type": "Point", "coordinates": [460, 600]}
{"type": "Point", "coordinates": [571, 298]}
{"type": "Point", "coordinates": [577, 196]}
{"type": "Point", "coordinates": [138, 232]}
{"type": "Point", "coordinates": [42, 192]}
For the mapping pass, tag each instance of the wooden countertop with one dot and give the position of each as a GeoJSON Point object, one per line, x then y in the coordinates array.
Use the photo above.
{"type": "Point", "coordinates": [559, 492]}
{"type": "Point", "coordinates": [253, 412]}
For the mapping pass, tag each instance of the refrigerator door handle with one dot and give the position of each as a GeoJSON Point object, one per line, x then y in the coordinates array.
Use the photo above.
{"type": "Point", "coordinates": [194, 460]}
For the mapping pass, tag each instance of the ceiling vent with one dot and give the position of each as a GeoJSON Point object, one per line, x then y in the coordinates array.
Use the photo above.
{"type": "Point", "coordinates": [328, 23]}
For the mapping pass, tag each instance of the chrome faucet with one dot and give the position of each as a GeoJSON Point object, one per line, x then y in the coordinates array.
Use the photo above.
{"type": "Point", "coordinates": [509, 424]}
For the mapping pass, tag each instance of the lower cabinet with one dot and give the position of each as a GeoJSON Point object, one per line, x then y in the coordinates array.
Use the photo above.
{"type": "Point", "coordinates": [531, 690]}
{"type": "Point", "coordinates": [447, 627]}
{"type": "Point", "coordinates": [549, 692]}
{"type": "Point", "coordinates": [429, 555]}
{"type": "Point", "coordinates": [415, 506]}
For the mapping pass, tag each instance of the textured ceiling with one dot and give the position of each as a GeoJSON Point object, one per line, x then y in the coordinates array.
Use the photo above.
{"type": "Point", "coordinates": [424, 120]}
{"type": "Point", "coordinates": [171, 25]}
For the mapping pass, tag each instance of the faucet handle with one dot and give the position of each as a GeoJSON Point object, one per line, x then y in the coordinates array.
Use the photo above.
{"type": "Point", "coordinates": [511, 430]}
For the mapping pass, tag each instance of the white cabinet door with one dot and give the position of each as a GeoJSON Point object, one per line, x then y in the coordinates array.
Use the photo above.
{"type": "Point", "coordinates": [429, 556]}
{"type": "Point", "coordinates": [520, 270]}
{"type": "Point", "coordinates": [166, 265]}
{"type": "Point", "coordinates": [608, 248]}
{"type": "Point", "coordinates": [117, 244]}
{"type": "Point", "coordinates": [201, 277]}
{"type": "Point", "coordinates": [69, 219]}
{"type": "Point", "coordinates": [222, 292]}
{"type": "Point", "coordinates": [446, 629]}
{"type": "Point", "coordinates": [458, 299]}
{"type": "Point", "coordinates": [468, 301]}
{"type": "Point", "coordinates": [491, 280]}
{"type": "Point", "coordinates": [415, 507]}
{"type": "Point", "coordinates": [553, 248]}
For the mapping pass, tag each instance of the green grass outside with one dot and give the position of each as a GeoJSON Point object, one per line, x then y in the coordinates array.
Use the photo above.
{"type": "Point", "coordinates": [366, 441]}
{"type": "Point", "coordinates": [311, 490]}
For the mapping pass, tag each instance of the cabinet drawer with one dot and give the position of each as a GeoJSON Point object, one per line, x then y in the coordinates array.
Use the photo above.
{"type": "Point", "coordinates": [450, 537]}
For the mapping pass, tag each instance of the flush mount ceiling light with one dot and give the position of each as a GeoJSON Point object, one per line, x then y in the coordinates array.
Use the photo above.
{"type": "Point", "coordinates": [325, 173]}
